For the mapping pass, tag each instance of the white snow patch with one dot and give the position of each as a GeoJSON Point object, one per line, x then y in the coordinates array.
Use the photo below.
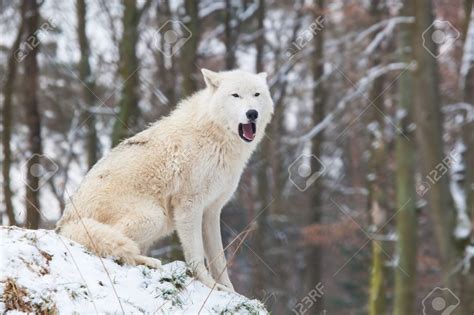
{"type": "Point", "coordinates": [469, 255]}
{"type": "Point", "coordinates": [61, 275]}
{"type": "Point", "coordinates": [463, 225]}
{"type": "Point", "coordinates": [468, 55]}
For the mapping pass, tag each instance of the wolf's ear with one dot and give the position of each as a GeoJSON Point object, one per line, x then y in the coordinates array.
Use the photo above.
{"type": "Point", "coordinates": [262, 75]}
{"type": "Point", "coordinates": [211, 78]}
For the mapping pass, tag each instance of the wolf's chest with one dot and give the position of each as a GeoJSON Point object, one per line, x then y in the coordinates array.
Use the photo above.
{"type": "Point", "coordinates": [217, 178]}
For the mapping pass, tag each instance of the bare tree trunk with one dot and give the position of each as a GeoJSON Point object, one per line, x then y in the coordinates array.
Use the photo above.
{"type": "Point", "coordinates": [260, 40]}
{"type": "Point", "coordinates": [406, 220]}
{"type": "Point", "coordinates": [7, 121]}
{"type": "Point", "coordinates": [276, 159]}
{"type": "Point", "coordinates": [190, 49]}
{"type": "Point", "coordinates": [275, 205]}
{"type": "Point", "coordinates": [467, 278]}
{"type": "Point", "coordinates": [259, 279]}
{"type": "Point", "coordinates": [469, 126]}
{"type": "Point", "coordinates": [468, 6]}
{"type": "Point", "coordinates": [32, 115]}
{"type": "Point", "coordinates": [129, 71]}
{"type": "Point", "coordinates": [429, 128]}
{"type": "Point", "coordinates": [377, 203]}
{"type": "Point", "coordinates": [314, 253]}
{"type": "Point", "coordinates": [377, 186]}
{"type": "Point", "coordinates": [88, 86]}
{"type": "Point", "coordinates": [166, 73]}
{"type": "Point", "coordinates": [230, 36]}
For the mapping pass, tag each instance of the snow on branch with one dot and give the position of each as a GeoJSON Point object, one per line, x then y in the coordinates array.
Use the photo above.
{"type": "Point", "coordinates": [465, 264]}
{"type": "Point", "coordinates": [386, 26]}
{"type": "Point", "coordinates": [390, 25]}
{"type": "Point", "coordinates": [241, 17]}
{"type": "Point", "coordinates": [362, 85]}
{"type": "Point", "coordinates": [468, 55]}
{"type": "Point", "coordinates": [469, 108]}
{"type": "Point", "coordinates": [463, 223]}
{"type": "Point", "coordinates": [211, 8]}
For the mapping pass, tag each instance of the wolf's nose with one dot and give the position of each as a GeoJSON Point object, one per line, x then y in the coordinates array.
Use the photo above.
{"type": "Point", "coordinates": [252, 114]}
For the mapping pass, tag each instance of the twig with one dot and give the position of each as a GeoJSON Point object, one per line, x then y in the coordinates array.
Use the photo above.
{"type": "Point", "coordinates": [194, 279]}
{"type": "Point", "coordinates": [247, 231]}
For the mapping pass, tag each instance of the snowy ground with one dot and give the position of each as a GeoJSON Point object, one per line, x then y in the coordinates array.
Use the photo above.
{"type": "Point", "coordinates": [41, 271]}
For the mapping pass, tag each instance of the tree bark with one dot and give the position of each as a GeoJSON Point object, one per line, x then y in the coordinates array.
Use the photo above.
{"type": "Point", "coordinates": [7, 121]}
{"type": "Point", "coordinates": [129, 74]}
{"type": "Point", "coordinates": [429, 128]}
{"type": "Point", "coordinates": [467, 278]}
{"type": "Point", "coordinates": [190, 49]}
{"type": "Point", "coordinates": [32, 115]}
{"type": "Point", "coordinates": [260, 40]}
{"type": "Point", "coordinates": [406, 219]}
{"type": "Point", "coordinates": [230, 36]}
{"type": "Point", "coordinates": [378, 208]}
{"type": "Point", "coordinates": [88, 86]}
{"type": "Point", "coordinates": [377, 186]}
{"type": "Point", "coordinates": [259, 279]}
{"type": "Point", "coordinates": [468, 130]}
{"type": "Point", "coordinates": [167, 68]}
{"type": "Point", "coordinates": [314, 253]}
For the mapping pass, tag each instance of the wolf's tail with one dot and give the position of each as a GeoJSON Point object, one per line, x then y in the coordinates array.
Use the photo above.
{"type": "Point", "coordinates": [101, 239]}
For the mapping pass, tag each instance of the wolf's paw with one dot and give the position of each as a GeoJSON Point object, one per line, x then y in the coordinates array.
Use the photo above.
{"type": "Point", "coordinates": [228, 285]}
{"type": "Point", "coordinates": [212, 284]}
{"type": "Point", "coordinates": [148, 261]}
{"type": "Point", "coordinates": [222, 287]}
{"type": "Point", "coordinates": [207, 280]}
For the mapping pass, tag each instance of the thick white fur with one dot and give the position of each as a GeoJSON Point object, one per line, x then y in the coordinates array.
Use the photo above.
{"type": "Point", "coordinates": [175, 175]}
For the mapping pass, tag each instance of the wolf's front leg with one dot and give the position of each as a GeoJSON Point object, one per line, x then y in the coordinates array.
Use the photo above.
{"type": "Point", "coordinates": [188, 223]}
{"type": "Point", "coordinates": [214, 248]}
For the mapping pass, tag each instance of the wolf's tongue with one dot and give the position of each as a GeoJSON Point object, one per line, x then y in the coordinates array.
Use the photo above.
{"type": "Point", "coordinates": [248, 131]}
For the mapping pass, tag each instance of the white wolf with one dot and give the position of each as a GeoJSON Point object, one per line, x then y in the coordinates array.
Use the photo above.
{"type": "Point", "coordinates": [175, 175]}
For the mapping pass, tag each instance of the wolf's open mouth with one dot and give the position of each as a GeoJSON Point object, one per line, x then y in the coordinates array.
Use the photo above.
{"type": "Point", "coordinates": [247, 131]}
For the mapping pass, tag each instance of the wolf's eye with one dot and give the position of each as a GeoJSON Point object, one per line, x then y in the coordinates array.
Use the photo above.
{"type": "Point", "coordinates": [235, 95]}
{"type": "Point", "coordinates": [256, 94]}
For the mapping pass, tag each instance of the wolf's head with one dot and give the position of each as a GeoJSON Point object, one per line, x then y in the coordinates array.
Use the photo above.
{"type": "Point", "coordinates": [240, 101]}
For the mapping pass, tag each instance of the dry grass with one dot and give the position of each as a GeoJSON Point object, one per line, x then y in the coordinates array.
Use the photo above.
{"type": "Point", "coordinates": [16, 298]}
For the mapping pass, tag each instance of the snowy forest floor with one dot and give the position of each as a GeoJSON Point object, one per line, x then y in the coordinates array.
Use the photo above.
{"type": "Point", "coordinates": [41, 271]}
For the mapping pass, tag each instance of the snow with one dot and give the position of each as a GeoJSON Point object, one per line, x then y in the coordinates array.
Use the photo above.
{"type": "Point", "coordinates": [389, 29]}
{"type": "Point", "coordinates": [463, 224]}
{"type": "Point", "coordinates": [61, 276]}
{"type": "Point", "coordinates": [357, 90]}
{"type": "Point", "coordinates": [468, 55]}
{"type": "Point", "coordinates": [461, 119]}
{"type": "Point", "coordinates": [209, 9]}
{"type": "Point", "coordinates": [383, 28]}
{"type": "Point", "coordinates": [469, 255]}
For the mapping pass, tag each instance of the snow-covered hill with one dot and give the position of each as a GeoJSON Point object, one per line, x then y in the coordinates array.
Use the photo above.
{"type": "Point", "coordinates": [41, 271]}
